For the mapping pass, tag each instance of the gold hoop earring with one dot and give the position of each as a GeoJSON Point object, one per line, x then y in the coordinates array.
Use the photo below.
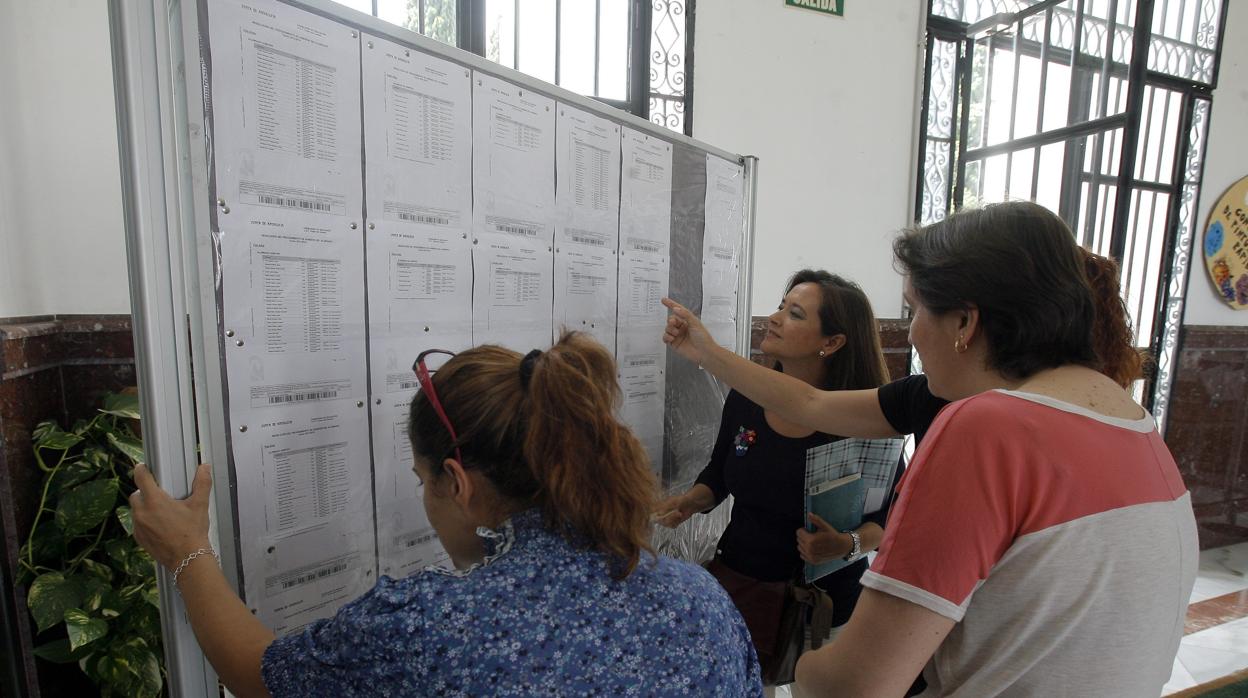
{"type": "Point", "coordinates": [959, 345]}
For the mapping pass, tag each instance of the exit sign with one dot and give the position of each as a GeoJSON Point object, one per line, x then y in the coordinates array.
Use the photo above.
{"type": "Point", "coordinates": [832, 7]}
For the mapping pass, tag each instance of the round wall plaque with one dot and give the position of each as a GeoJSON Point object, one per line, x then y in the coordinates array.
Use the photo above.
{"type": "Point", "coordinates": [1226, 245]}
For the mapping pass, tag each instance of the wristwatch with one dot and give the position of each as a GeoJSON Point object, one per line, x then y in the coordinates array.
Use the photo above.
{"type": "Point", "coordinates": [856, 551]}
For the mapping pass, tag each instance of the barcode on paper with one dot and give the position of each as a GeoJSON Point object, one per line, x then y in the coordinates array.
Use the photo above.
{"type": "Point", "coordinates": [302, 397]}
{"type": "Point", "coordinates": [423, 218]}
{"type": "Point", "coordinates": [418, 540]}
{"type": "Point", "coordinates": [515, 229]}
{"type": "Point", "coordinates": [314, 575]}
{"type": "Point", "coordinates": [290, 202]}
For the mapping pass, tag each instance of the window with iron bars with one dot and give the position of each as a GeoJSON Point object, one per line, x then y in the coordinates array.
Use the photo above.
{"type": "Point", "coordinates": [635, 55]}
{"type": "Point", "coordinates": [1096, 109]}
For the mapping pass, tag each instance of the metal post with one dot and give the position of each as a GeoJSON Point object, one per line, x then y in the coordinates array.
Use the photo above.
{"type": "Point", "coordinates": [140, 38]}
{"type": "Point", "coordinates": [1136, 85]}
{"type": "Point", "coordinates": [745, 277]}
{"type": "Point", "coordinates": [639, 60]}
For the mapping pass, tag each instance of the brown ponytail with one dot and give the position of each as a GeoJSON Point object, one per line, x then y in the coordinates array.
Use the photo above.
{"type": "Point", "coordinates": [1111, 333]}
{"type": "Point", "coordinates": [556, 443]}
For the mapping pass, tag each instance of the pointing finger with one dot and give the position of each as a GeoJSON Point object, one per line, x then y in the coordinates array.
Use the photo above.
{"type": "Point", "coordinates": [677, 309]}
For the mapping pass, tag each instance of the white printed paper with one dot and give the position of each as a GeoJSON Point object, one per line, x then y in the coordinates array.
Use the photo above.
{"type": "Point", "coordinates": [286, 115]}
{"type": "Point", "coordinates": [513, 160]}
{"type": "Point", "coordinates": [645, 194]}
{"type": "Point", "coordinates": [643, 284]}
{"type": "Point", "coordinates": [418, 141]}
{"type": "Point", "coordinates": [513, 215]}
{"type": "Point", "coordinates": [287, 165]}
{"type": "Point", "coordinates": [645, 231]}
{"type": "Point", "coordinates": [304, 509]}
{"type": "Point", "coordinates": [642, 361]}
{"type": "Point", "coordinates": [406, 540]}
{"type": "Point", "coordinates": [587, 204]}
{"type": "Point", "coordinates": [293, 309]}
{"type": "Point", "coordinates": [512, 292]}
{"type": "Point", "coordinates": [721, 249]}
{"type": "Point", "coordinates": [585, 287]}
{"type": "Point", "coordinates": [645, 266]}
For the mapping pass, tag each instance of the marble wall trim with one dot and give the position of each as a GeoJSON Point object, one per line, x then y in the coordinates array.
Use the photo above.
{"type": "Point", "coordinates": [1207, 429]}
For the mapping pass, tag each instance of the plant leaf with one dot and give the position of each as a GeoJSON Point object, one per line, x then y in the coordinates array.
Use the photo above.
{"type": "Point", "coordinates": [132, 560]}
{"type": "Point", "coordinates": [98, 570]}
{"type": "Point", "coordinates": [97, 589]}
{"type": "Point", "coordinates": [127, 444]}
{"type": "Point", "coordinates": [140, 564]}
{"type": "Point", "coordinates": [58, 652]}
{"type": "Point", "coordinates": [152, 595]}
{"type": "Point", "coordinates": [118, 549]}
{"type": "Point", "coordinates": [72, 473]}
{"type": "Point", "coordinates": [54, 438]}
{"type": "Point", "coordinates": [105, 672]}
{"type": "Point", "coordinates": [85, 506]}
{"type": "Point", "coordinates": [127, 521]}
{"type": "Point", "coordinates": [82, 628]}
{"type": "Point", "coordinates": [141, 663]}
{"type": "Point", "coordinates": [122, 405]}
{"type": "Point", "coordinates": [51, 595]}
{"type": "Point", "coordinates": [41, 430]}
{"type": "Point", "coordinates": [140, 620]}
{"type": "Point", "coordinates": [131, 592]}
{"type": "Point", "coordinates": [47, 545]}
{"type": "Point", "coordinates": [110, 607]}
{"type": "Point", "coordinates": [113, 604]}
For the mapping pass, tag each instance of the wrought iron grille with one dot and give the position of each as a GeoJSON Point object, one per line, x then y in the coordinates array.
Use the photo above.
{"type": "Point", "coordinates": [1183, 43]}
{"type": "Point", "coordinates": [636, 55]}
{"type": "Point", "coordinates": [582, 45]}
{"type": "Point", "coordinates": [671, 65]}
{"type": "Point", "coordinates": [1071, 104]}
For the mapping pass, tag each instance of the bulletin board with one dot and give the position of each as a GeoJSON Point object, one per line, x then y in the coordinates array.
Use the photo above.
{"type": "Point", "coordinates": [341, 194]}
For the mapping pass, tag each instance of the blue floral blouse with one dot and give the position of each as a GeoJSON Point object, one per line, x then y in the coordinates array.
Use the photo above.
{"type": "Point", "coordinates": [539, 616]}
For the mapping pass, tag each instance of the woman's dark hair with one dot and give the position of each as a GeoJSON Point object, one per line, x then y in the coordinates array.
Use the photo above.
{"type": "Point", "coordinates": [555, 444]}
{"type": "Point", "coordinates": [844, 309]}
{"type": "Point", "coordinates": [1019, 265]}
{"type": "Point", "coordinates": [1111, 334]}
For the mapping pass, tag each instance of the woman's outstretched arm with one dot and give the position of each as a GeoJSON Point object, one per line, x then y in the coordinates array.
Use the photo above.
{"type": "Point", "coordinates": [232, 638]}
{"type": "Point", "coordinates": [842, 412]}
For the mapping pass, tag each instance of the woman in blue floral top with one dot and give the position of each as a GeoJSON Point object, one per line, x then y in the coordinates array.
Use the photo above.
{"type": "Point", "coordinates": [542, 499]}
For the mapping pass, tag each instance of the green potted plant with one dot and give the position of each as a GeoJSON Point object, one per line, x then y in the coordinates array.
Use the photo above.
{"type": "Point", "coordinates": [91, 588]}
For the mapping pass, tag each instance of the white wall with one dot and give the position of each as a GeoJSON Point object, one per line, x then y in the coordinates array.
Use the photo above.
{"type": "Point", "coordinates": [12, 295]}
{"type": "Point", "coordinates": [829, 105]}
{"type": "Point", "coordinates": [1226, 161]}
{"type": "Point", "coordinates": [12, 280]}
{"type": "Point", "coordinates": [62, 247]}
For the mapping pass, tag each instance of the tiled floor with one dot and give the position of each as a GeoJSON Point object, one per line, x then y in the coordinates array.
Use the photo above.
{"type": "Point", "coordinates": [1216, 643]}
{"type": "Point", "coordinates": [1216, 639]}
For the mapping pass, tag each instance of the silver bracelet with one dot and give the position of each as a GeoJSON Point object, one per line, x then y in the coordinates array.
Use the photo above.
{"type": "Point", "coordinates": [187, 560]}
{"type": "Point", "coordinates": [855, 552]}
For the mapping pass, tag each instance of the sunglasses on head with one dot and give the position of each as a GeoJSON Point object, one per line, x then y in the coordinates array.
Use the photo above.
{"type": "Point", "coordinates": [426, 387]}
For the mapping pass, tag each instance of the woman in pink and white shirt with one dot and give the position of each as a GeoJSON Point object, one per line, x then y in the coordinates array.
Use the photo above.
{"type": "Point", "coordinates": [1042, 542]}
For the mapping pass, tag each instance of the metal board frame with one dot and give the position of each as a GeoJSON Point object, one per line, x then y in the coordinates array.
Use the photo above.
{"type": "Point", "coordinates": [164, 143]}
